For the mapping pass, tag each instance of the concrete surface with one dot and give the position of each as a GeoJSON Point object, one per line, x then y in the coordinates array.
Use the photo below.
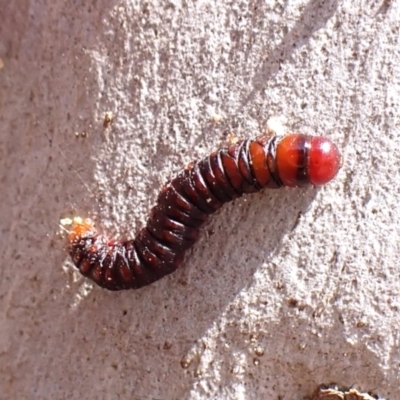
{"type": "Point", "coordinates": [286, 289]}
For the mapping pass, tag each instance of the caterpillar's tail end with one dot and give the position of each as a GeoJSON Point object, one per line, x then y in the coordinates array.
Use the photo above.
{"type": "Point", "coordinates": [80, 229]}
{"type": "Point", "coordinates": [82, 244]}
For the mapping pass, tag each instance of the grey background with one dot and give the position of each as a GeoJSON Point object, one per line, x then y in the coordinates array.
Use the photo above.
{"type": "Point", "coordinates": [286, 289]}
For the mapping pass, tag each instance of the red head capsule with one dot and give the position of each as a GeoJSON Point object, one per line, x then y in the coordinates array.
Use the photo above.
{"type": "Point", "coordinates": [302, 160]}
{"type": "Point", "coordinates": [324, 160]}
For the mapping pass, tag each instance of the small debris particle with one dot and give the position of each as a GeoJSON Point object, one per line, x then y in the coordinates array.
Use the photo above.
{"type": "Point", "coordinates": [185, 363]}
{"type": "Point", "coordinates": [108, 119]}
{"type": "Point", "coordinates": [256, 362]}
{"type": "Point", "coordinates": [259, 351]}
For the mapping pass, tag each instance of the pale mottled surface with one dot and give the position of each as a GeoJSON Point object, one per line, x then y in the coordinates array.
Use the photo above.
{"type": "Point", "coordinates": [271, 302]}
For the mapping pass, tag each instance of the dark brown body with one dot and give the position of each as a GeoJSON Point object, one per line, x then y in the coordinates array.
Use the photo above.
{"type": "Point", "coordinates": [182, 207]}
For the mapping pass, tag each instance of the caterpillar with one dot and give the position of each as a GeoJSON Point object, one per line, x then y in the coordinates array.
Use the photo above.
{"type": "Point", "coordinates": [186, 201]}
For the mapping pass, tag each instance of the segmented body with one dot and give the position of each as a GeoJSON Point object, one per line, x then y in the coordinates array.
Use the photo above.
{"type": "Point", "coordinates": [187, 200]}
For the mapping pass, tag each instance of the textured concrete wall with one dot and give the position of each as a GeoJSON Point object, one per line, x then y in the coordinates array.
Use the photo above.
{"type": "Point", "coordinates": [286, 289]}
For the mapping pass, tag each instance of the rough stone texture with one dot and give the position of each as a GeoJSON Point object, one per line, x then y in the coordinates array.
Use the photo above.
{"type": "Point", "coordinates": [285, 289]}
